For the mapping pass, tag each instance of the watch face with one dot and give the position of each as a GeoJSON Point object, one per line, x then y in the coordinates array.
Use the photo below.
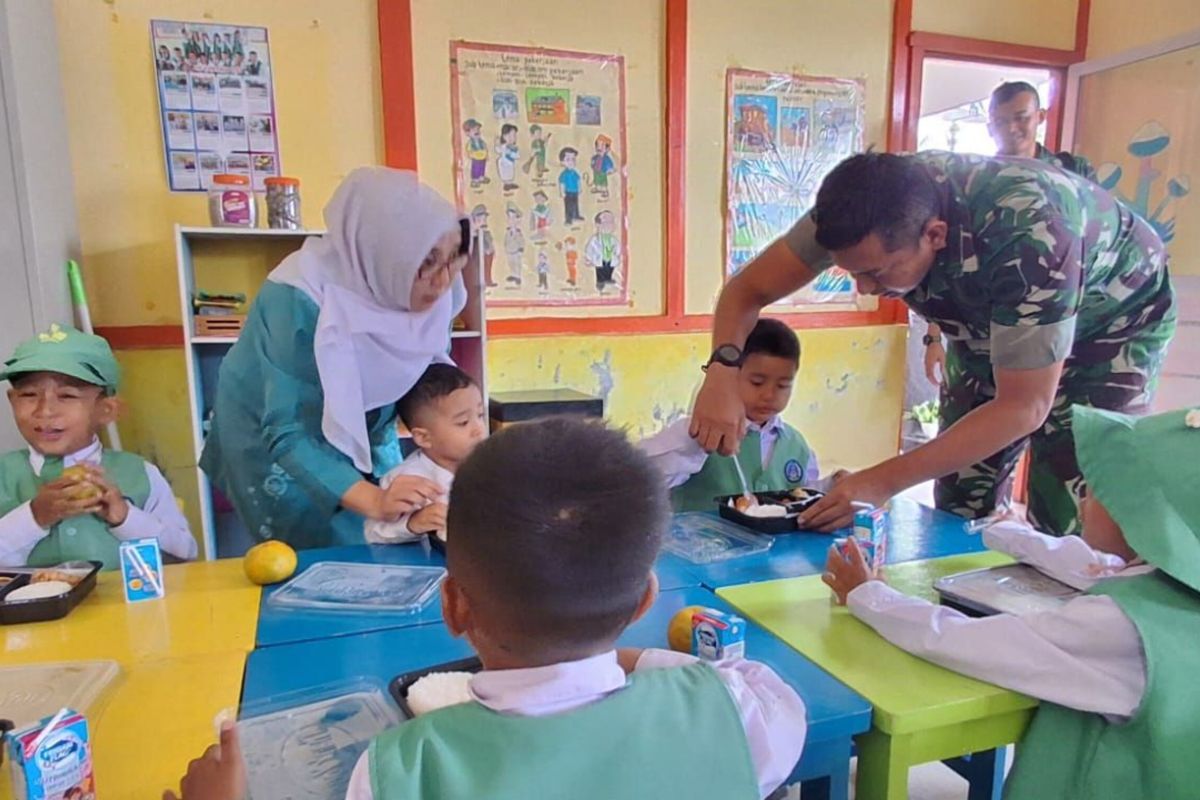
{"type": "Point", "coordinates": [728, 352]}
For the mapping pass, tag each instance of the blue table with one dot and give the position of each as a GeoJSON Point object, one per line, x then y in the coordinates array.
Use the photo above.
{"type": "Point", "coordinates": [917, 532]}
{"type": "Point", "coordinates": [278, 626]}
{"type": "Point", "coordinates": [835, 713]}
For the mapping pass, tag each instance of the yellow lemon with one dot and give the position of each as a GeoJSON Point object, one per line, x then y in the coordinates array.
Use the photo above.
{"type": "Point", "coordinates": [679, 632]}
{"type": "Point", "coordinates": [269, 562]}
{"type": "Point", "coordinates": [85, 490]}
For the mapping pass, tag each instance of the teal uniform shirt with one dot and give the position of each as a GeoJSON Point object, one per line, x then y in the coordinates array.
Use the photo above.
{"type": "Point", "coordinates": [265, 451]}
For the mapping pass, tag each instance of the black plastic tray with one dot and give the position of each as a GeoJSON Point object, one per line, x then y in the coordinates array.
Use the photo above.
{"type": "Point", "coordinates": [768, 524]}
{"type": "Point", "coordinates": [47, 608]}
{"type": "Point", "coordinates": [400, 684]}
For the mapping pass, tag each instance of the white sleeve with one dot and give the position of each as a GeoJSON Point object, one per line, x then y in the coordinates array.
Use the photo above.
{"type": "Point", "coordinates": [1065, 558]}
{"type": "Point", "coordinates": [360, 780]}
{"type": "Point", "coordinates": [161, 519]}
{"type": "Point", "coordinates": [1086, 655]}
{"type": "Point", "coordinates": [376, 531]}
{"type": "Point", "coordinates": [773, 715]}
{"type": "Point", "coordinates": [675, 453]}
{"type": "Point", "coordinates": [19, 534]}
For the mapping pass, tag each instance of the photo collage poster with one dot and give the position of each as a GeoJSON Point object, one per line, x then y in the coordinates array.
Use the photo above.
{"type": "Point", "coordinates": [784, 135]}
{"type": "Point", "coordinates": [540, 166]}
{"type": "Point", "coordinates": [217, 101]}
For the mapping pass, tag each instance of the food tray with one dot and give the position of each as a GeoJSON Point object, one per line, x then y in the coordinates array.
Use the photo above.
{"type": "Point", "coordinates": [31, 692]}
{"type": "Point", "coordinates": [349, 586]}
{"type": "Point", "coordinates": [704, 539]}
{"type": "Point", "coordinates": [308, 751]}
{"type": "Point", "coordinates": [1011, 589]}
{"type": "Point", "coordinates": [17, 612]}
{"type": "Point", "coordinates": [400, 685]}
{"type": "Point", "coordinates": [768, 524]}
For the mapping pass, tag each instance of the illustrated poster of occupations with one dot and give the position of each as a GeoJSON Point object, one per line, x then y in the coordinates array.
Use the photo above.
{"type": "Point", "coordinates": [540, 163]}
{"type": "Point", "coordinates": [217, 102]}
{"type": "Point", "coordinates": [784, 134]}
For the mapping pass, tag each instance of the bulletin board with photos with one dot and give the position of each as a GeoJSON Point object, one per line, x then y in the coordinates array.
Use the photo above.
{"type": "Point", "coordinates": [217, 102]}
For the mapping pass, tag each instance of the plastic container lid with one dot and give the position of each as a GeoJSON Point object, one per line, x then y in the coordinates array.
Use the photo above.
{"type": "Point", "coordinates": [281, 181]}
{"type": "Point", "coordinates": [31, 692]}
{"type": "Point", "coordinates": [226, 179]}
{"type": "Point", "coordinates": [1011, 589]}
{"type": "Point", "coordinates": [704, 539]}
{"type": "Point", "coordinates": [309, 749]}
{"type": "Point", "coordinates": [348, 586]}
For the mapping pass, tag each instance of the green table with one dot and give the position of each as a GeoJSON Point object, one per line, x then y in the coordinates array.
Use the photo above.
{"type": "Point", "coordinates": [922, 712]}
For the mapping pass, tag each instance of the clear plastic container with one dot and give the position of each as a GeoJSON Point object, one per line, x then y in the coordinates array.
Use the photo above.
{"type": "Point", "coordinates": [1011, 589]}
{"type": "Point", "coordinates": [304, 745]}
{"type": "Point", "coordinates": [231, 202]}
{"type": "Point", "coordinates": [703, 539]}
{"type": "Point", "coordinates": [32, 692]}
{"type": "Point", "coordinates": [283, 203]}
{"type": "Point", "coordinates": [348, 586]}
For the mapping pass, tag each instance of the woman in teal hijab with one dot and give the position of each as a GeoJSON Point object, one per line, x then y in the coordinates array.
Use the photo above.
{"type": "Point", "coordinates": [304, 420]}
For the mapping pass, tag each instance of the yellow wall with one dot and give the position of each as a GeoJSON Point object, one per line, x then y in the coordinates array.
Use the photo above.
{"type": "Point", "coordinates": [1118, 25]}
{"type": "Point", "coordinates": [633, 28]}
{"type": "Point", "coordinates": [1039, 23]}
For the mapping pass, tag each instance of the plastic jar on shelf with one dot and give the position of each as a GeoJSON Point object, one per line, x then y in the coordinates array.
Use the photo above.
{"type": "Point", "coordinates": [231, 202]}
{"type": "Point", "coordinates": [283, 203]}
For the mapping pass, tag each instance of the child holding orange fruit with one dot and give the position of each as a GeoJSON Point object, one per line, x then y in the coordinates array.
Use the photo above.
{"type": "Point", "coordinates": [65, 498]}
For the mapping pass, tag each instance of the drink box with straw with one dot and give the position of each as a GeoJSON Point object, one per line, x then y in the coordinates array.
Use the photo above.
{"type": "Point", "coordinates": [141, 570]}
{"type": "Point", "coordinates": [52, 759]}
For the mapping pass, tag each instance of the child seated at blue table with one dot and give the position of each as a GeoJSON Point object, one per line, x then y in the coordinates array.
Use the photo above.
{"type": "Point", "coordinates": [1116, 667]}
{"type": "Point", "coordinates": [774, 455]}
{"type": "Point", "coordinates": [444, 414]}
{"type": "Point", "coordinates": [64, 497]}
{"type": "Point", "coordinates": [554, 529]}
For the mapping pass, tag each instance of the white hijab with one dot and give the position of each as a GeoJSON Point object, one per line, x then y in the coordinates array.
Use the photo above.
{"type": "Point", "coordinates": [370, 348]}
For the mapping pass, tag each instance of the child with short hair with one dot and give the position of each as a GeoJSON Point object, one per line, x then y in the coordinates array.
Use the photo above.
{"type": "Point", "coordinates": [66, 498]}
{"type": "Point", "coordinates": [554, 529]}
{"type": "Point", "coordinates": [1115, 668]}
{"type": "Point", "coordinates": [774, 455]}
{"type": "Point", "coordinates": [444, 415]}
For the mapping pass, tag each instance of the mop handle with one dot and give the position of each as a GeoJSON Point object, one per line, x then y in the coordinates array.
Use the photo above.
{"type": "Point", "coordinates": [79, 300]}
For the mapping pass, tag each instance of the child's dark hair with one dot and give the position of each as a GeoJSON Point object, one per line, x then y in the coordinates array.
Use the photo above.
{"type": "Point", "coordinates": [882, 193]}
{"type": "Point", "coordinates": [438, 381]}
{"type": "Point", "coordinates": [553, 528]}
{"type": "Point", "coordinates": [772, 337]}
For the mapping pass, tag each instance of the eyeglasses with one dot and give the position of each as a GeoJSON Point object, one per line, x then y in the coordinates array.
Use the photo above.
{"type": "Point", "coordinates": [431, 268]}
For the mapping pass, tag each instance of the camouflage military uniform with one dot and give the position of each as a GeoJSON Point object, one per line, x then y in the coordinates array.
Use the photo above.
{"type": "Point", "coordinates": [1068, 161]}
{"type": "Point", "coordinates": [1041, 266]}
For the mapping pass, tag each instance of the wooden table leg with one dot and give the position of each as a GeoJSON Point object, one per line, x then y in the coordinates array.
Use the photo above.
{"type": "Point", "coordinates": [883, 763]}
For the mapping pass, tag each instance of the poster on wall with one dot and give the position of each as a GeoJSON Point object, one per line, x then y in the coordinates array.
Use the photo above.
{"type": "Point", "coordinates": [784, 133]}
{"type": "Point", "coordinates": [540, 165]}
{"type": "Point", "coordinates": [217, 102]}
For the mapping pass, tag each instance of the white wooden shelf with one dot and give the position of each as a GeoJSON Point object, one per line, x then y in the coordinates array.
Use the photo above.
{"type": "Point", "coordinates": [198, 232]}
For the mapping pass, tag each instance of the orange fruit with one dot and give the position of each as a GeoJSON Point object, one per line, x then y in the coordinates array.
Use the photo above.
{"type": "Point", "coordinates": [269, 562]}
{"type": "Point", "coordinates": [679, 632]}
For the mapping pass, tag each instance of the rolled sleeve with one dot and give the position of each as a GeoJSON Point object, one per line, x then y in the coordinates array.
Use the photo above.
{"type": "Point", "coordinates": [801, 239]}
{"type": "Point", "coordinates": [1032, 347]}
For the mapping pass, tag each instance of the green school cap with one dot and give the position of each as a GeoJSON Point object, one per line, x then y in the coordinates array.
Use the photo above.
{"type": "Point", "coordinates": [67, 351]}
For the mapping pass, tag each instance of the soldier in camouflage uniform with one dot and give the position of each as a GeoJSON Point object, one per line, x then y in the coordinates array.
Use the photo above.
{"type": "Point", "coordinates": [1027, 268]}
{"type": "Point", "coordinates": [1014, 114]}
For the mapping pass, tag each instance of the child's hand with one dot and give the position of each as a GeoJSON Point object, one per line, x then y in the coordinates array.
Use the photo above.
{"type": "Point", "coordinates": [845, 573]}
{"type": "Point", "coordinates": [59, 500]}
{"type": "Point", "coordinates": [406, 494]}
{"type": "Point", "coordinates": [220, 774]}
{"type": "Point", "coordinates": [429, 519]}
{"type": "Point", "coordinates": [115, 507]}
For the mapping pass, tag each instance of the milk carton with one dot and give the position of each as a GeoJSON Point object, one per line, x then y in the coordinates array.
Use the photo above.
{"type": "Point", "coordinates": [717, 635]}
{"type": "Point", "coordinates": [141, 570]}
{"type": "Point", "coordinates": [59, 767]}
{"type": "Point", "coordinates": [871, 530]}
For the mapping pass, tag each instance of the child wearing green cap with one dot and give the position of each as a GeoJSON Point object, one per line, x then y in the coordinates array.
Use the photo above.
{"type": "Point", "coordinates": [1115, 668]}
{"type": "Point", "coordinates": [66, 498]}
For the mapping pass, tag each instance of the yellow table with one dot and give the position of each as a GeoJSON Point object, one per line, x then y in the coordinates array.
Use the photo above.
{"type": "Point", "coordinates": [181, 662]}
{"type": "Point", "coordinates": [210, 607]}
{"type": "Point", "coordinates": [922, 712]}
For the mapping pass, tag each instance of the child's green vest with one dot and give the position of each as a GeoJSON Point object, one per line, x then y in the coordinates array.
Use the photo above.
{"type": "Point", "coordinates": [786, 470]}
{"type": "Point", "coordinates": [85, 538]}
{"type": "Point", "coordinates": [669, 733]}
{"type": "Point", "coordinates": [1071, 754]}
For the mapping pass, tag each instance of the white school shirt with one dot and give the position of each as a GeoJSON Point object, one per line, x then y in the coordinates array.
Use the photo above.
{"type": "Point", "coordinates": [161, 518]}
{"type": "Point", "coordinates": [1086, 655]}
{"type": "Point", "coordinates": [678, 456]}
{"type": "Point", "coordinates": [379, 532]}
{"type": "Point", "coordinates": [772, 714]}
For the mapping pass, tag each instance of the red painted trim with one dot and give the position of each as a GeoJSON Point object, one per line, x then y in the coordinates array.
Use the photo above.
{"type": "Point", "coordinates": [676, 158]}
{"type": "Point", "coordinates": [942, 44]}
{"type": "Point", "coordinates": [901, 28]}
{"type": "Point", "coordinates": [1083, 19]}
{"type": "Point", "coordinates": [138, 337]}
{"type": "Point", "coordinates": [397, 84]}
